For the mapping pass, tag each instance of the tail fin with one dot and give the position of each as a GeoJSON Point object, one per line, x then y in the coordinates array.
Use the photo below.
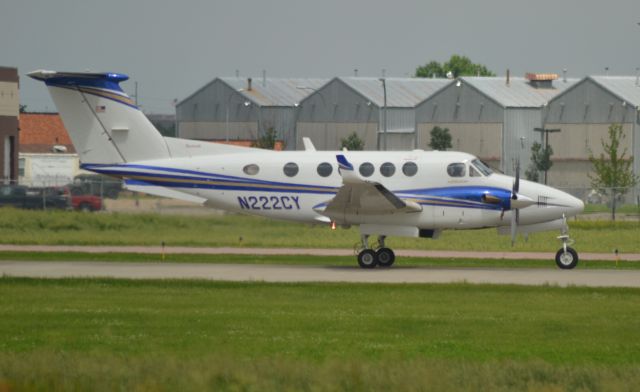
{"type": "Point", "coordinates": [104, 124]}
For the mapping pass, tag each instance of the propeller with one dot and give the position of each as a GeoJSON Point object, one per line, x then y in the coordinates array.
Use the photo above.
{"type": "Point", "coordinates": [515, 215]}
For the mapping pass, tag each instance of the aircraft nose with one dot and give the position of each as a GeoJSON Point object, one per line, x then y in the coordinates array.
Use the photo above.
{"type": "Point", "coordinates": [574, 206]}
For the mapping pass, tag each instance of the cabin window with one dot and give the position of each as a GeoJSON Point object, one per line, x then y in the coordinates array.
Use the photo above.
{"type": "Point", "coordinates": [456, 169]}
{"type": "Point", "coordinates": [325, 169]}
{"type": "Point", "coordinates": [410, 169]}
{"type": "Point", "coordinates": [290, 169]}
{"type": "Point", "coordinates": [473, 172]}
{"type": "Point", "coordinates": [482, 168]}
{"type": "Point", "coordinates": [387, 169]}
{"type": "Point", "coordinates": [366, 169]}
{"type": "Point", "coordinates": [251, 169]}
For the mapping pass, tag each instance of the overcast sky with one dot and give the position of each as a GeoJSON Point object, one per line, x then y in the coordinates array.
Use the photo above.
{"type": "Point", "coordinates": [171, 48]}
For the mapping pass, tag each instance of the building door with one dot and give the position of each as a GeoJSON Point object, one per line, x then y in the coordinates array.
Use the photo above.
{"type": "Point", "coordinates": [6, 164]}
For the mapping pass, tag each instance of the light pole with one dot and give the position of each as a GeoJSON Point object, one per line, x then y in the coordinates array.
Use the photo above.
{"type": "Point", "coordinates": [324, 105]}
{"type": "Point", "coordinates": [246, 103]}
{"type": "Point", "coordinates": [544, 137]}
{"type": "Point", "coordinates": [384, 111]}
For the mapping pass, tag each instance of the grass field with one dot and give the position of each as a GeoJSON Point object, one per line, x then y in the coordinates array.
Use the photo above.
{"type": "Point", "coordinates": [59, 227]}
{"type": "Point", "coordinates": [169, 335]}
{"type": "Point", "coordinates": [303, 260]}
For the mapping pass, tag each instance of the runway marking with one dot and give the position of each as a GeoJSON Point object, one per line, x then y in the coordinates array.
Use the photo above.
{"type": "Point", "coordinates": [281, 273]}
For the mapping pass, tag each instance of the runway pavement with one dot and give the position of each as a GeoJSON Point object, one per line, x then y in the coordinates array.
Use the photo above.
{"type": "Point", "coordinates": [310, 251]}
{"type": "Point", "coordinates": [279, 273]}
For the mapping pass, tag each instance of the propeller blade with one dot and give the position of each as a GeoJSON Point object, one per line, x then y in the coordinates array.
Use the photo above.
{"type": "Point", "coordinates": [515, 219]}
{"type": "Point", "coordinates": [516, 184]}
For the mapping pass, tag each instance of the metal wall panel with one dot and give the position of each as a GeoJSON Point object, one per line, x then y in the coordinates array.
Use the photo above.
{"type": "Point", "coordinates": [576, 141]}
{"type": "Point", "coordinates": [461, 104]}
{"type": "Point", "coordinates": [636, 144]}
{"type": "Point", "coordinates": [518, 137]}
{"type": "Point", "coordinates": [339, 103]}
{"type": "Point", "coordinates": [401, 141]}
{"type": "Point", "coordinates": [207, 130]}
{"type": "Point", "coordinates": [481, 140]}
{"type": "Point", "coordinates": [399, 119]}
{"type": "Point", "coordinates": [327, 136]}
{"type": "Point", "coordinates": [587, 102]}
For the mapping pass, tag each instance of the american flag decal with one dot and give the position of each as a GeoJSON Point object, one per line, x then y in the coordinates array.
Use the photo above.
{"type": "Point", "coordinates": [100, 109]}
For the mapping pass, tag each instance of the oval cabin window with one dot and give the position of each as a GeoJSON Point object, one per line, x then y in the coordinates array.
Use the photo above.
{"type": "Point", "coordinates": [325, 169]}
{"type": "Point", "coordinates": [251, 169]}
{"type": "Point", "coordinates": [290, 169]}
{"type": "Point", "coordinates": [366, 169]}
{"type": "Point", "coordinates": [387, 169]}
{"type": "Point", "coordinates": [410, 169]}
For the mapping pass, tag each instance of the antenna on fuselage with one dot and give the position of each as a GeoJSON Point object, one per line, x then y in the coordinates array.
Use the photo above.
{"type": "Point", "coordinates": [308, 144]}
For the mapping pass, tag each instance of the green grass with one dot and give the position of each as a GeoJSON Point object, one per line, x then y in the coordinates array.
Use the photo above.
{"type": "Point", "coordinates": [118, 334]}
{"type": "Point", "coordinates": [302, 260]}
{"type": "Point", "coordinates": [601, 208]}
{"type": "Point", "coordinates": [67, 228]}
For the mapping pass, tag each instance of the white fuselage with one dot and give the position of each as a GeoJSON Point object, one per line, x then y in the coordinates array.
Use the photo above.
{"type": "Point", "coordinates": [229, 182]}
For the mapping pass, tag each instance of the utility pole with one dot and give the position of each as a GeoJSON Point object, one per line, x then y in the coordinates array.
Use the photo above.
{"type": "Point", "coordinates": [384, 112]}
{"type": "Point", "coordinates": [544, 138]}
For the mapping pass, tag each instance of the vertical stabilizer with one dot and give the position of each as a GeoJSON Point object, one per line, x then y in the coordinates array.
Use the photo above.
{"type": "Point", "coordinates": [103, 122]}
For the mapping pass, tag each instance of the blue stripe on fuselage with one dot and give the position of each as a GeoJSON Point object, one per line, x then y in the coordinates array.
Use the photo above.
{"type": "Point", "coordinates": [461, 196]}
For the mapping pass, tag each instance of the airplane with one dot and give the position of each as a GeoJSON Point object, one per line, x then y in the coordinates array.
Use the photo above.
{"type": "Point", "coordinates": [384, 193]}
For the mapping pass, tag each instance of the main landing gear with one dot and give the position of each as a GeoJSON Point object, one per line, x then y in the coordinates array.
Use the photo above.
{"type": "Point", "coordinates": [370, 258]}
{"type": "Point", "coordinates": [566, 257]}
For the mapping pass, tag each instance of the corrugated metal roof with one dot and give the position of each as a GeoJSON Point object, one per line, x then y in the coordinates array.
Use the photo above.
{"type": "Point", "coordinates": [401, 92]}
{"type": "Point", "coordinates": [275, 91]}
{"type": "Point", "coordinates": [518, 93]}
{"type": "Point", "coordinates": [623, 86]}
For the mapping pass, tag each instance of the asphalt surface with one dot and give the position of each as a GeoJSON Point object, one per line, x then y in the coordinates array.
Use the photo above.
{"type": "Point", "coordinates": [310, 251]}
{"type": "Point", "coordinates": [279, 273]}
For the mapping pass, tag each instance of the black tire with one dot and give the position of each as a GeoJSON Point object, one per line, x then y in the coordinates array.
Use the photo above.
{"type": "Point", "coordinates": [566, 260]}
{"type": "Point", "coordinates": [85, 207]}
{"type": "Point", "coordinates": [386, 257]}
{"type": "Point", "coordinates": [367, 259]}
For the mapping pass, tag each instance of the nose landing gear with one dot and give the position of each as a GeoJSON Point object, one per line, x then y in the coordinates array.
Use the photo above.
{"type": "Point", "coordinates": [370, 258]}
{"type": "Point", "coordinates": [566, 257]}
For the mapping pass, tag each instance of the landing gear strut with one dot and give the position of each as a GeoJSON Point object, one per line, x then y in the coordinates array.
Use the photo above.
{"type": "Point", "coordinates": [369, 258]}
{"type": "Point", "coordinates": [566, 257]}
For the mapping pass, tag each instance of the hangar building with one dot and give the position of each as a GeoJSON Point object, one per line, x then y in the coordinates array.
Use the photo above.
{"type": "Point", "coordinates": [233, 108]}
{"type": "Point", "coordinates": [9, 110]}
{"type": "Point", "coordinates": [356, 104]}
{"type": "Point", "coordinates": [583, 113]}
{"type": "Point", "coordinates": [490, 116]}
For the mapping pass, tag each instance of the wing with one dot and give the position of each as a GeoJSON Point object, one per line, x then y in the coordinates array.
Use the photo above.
{"type": "Point", "coordinates": [361, 197]}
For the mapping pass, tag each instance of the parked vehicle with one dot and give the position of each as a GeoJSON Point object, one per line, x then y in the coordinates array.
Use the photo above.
{"type": "Point", "coordinates": [98, 185]}
{"type": "Point", "coordinates": [19, 196]}
{"type": "Point", "coordinates": [84, 202]}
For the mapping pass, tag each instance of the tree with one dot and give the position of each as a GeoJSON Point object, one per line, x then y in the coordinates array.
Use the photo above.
{"type": "Point", "coordinates": [613, 174]}
{"type": "Point", "coordinates": [267, 140]}
{"type": "Point", "coordinates": [430, 70]}
{"type": "Point", "coordinates": [540, 162]}
{"type": "Point", "coordinates": [352, 142]}
{"type": "Point", "coordinates": [440, 139]}
{"type": "Point", "coordinates": [457, 65]}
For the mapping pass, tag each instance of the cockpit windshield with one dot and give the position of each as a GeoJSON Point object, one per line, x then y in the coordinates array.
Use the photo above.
{"type": "Point", "coordinates": [482, 168]}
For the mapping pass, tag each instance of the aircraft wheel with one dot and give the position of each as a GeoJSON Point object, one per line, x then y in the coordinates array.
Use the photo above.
{"type": "Point", "coordinates": [386, 257]}
{"type": "Point", "coordinates": [568, 259]}
{"type": "Point", "coordinates": [367, 259]}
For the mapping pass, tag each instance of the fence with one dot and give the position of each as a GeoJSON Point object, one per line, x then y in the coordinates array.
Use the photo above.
{"type": "Point", "coordinates": [627, 200]}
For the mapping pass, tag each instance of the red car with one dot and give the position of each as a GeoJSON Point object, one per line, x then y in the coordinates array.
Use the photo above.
{"type": "Point", "coordinates": [84, 202]}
